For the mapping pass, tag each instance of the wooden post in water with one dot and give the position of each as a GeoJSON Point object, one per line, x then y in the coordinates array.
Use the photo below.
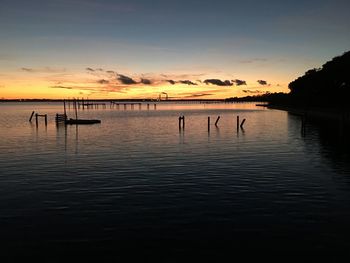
{"type": "Point", "coordinates": [303, 121]}
{"type": "Point", "coordinates": [237, 122]}
{"type": "Point", "coordinates": [31, 117]}
{"type": "Point", "coordinates": [45, 119]}
{"type": "Point", "coordinates": [64, 107]}
{"type": "Point", "coordinates": [36, 119]}
{"type": "Point", "coordinates": [76, 110]}
{"type": "Point", "coordinates": [208, 124]}
{"type": "Point", "coordinates": [242, 123]}
{"type": "Point", "coordinates": [217, 120]}
{"type": "Point", "coordinates": [181, 122]}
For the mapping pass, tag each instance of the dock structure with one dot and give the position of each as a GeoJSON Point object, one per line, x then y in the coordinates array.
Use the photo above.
{"type": "Point", "coordinates": [37, 118]}
{"type": "Point", "coordinates": [125, 104]}
{"type": "Point", "coordinates": [62, 118]}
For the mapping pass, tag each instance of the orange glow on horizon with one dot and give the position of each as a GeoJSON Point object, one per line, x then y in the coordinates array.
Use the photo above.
{"type": "Point", "coordinates": [48, 86]}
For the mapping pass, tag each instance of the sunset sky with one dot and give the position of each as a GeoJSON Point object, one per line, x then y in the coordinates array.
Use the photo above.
{"type": "Point", "coordinates": [188, 49]}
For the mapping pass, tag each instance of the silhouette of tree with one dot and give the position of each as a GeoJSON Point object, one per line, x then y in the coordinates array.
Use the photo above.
{"type": "Point", "coordinates": [325, 86]}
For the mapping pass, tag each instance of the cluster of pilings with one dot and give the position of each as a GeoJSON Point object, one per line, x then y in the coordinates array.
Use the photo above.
{"type": "Point", "coordinates": [37, 116]}
{"type": "Point", "coordinates": [121, 105]}
{"type": "Point", "coordinates": [239, 124]}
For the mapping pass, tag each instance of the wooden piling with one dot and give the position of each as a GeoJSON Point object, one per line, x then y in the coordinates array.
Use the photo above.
{"type": "Point", "coordinates": [242, 123]}
{"type": "Point", "coordinates": [64, 107]}
{"type": "Point", "coordinates": [182, 122]}
{"type": "Point", "coordinates": [208, 124]}
{"type": "Point", "coordinates": [31, 116]}
{"type": "Point", "coordinates": [303, 122]}
{"type": "Point", "coordinates": [217, 120]}
{"type": "Point", "coordinates": [76, 110]}
{"type": "Point", "coordinates": [36, 119]}
{"type": "Point", "coordinates": [237, 122]}
{"type": "Point", "coordinates": [45, 119]}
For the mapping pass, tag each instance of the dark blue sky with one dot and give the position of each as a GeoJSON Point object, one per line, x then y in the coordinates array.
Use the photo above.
{"type": "Point", "coordinates": [226, 37]}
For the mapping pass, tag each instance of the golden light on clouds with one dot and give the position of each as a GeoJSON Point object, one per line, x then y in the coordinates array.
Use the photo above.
{"type": "Point", "coordinates": [58, 83]}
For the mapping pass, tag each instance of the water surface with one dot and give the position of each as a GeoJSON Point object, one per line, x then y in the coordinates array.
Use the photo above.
{"type": "Point", "coordinates": [137, 180]}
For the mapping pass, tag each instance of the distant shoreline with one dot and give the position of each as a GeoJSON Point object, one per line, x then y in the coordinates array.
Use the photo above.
{"type": "Point", "coordinates": [131, 100]}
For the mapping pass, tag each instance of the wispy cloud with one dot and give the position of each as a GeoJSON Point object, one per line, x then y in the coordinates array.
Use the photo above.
{"type": "Point", "coordinates": [198, 95]}
{"type": "Point", "coordinates": [94, 89]}
{"type": "Point", "coordinates": [262, 82]}
{"type": "Point", "coordinates": [43, 70]}
{"type": "Point", "coordinates": [187, 82]}
{"type": "Point", "coordinates": [253, 91]}
{"type": "Point", "coordinates": [146, 81]}
{"type": "Point", "coordinates": [103, 81]}
{"type": "Point", "coordinates": [61, 87]}
{"type": "Point", "coordinates": [126, 80]}
{"type": "Point", "coordinates": [239, 82]}
{"type": "Point", "coordinates": [253, 60]}
{"type": "Point", "coordinates": [218, 82]}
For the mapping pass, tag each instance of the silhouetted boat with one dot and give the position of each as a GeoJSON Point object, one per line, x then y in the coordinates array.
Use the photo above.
{"type": "Point", "coordinates": [80, 121]}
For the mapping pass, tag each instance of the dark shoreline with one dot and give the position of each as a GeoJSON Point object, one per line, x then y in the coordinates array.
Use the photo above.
{"type": "Point", "coordinates": [326, 114]}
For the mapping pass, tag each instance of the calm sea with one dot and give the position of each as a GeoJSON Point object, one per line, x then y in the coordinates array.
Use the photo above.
{"type": "Point", "coordinates": [137, 183]}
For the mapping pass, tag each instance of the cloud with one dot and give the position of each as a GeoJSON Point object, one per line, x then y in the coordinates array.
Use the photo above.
{"type": "Point", "coordinates": [44, 70]}
{"type": "Point", "coordinates": [146, 81]}
{"type": "Point", "coordinates": [110, 71]}
{"type": "Point", "coordinates": [61, 87]}
{"type": "Point", "coordinates": [253, 91]}
{"type": "Point", "coordinates": [262, 82]}
{"type": "Point", "coordinates": [197, 95]}
{"type": "Point", "coordinates": [187, 82]}
{"type": "Point", "coordinates": [102, 81]}
{"type": "Point", "coordinates": [94, 89]}
{"type": "Point", "coordinates": [90, 69]}
{"type": "Point", "coordinates": [239, 82]}
{"type": "Point", "coordinates": [218, 82]}
{"type": "Point", "coordinates": [253, 60]}
{"type": "Point", "coordinates": [126, 80]}
{"type": "Point", "coordinates": [27, 69]}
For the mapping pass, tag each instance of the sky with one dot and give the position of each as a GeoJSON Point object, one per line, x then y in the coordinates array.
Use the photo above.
{"type": "Point", "coordinates": [118, 49]}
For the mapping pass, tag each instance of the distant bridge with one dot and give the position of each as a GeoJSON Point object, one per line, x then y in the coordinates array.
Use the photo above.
{"type": "Point", "coordinates": [161, 95]}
